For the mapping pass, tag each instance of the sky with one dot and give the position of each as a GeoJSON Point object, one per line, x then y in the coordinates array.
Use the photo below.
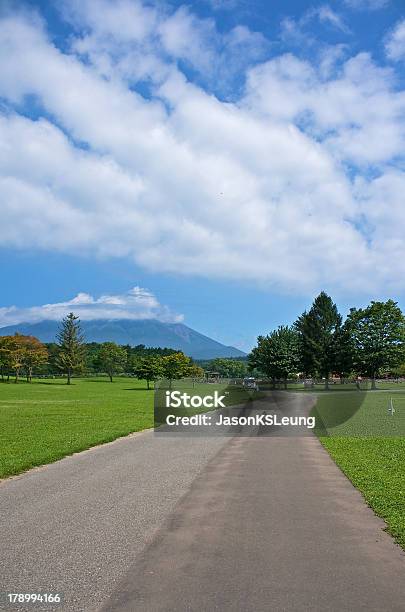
{"type": "Point", "coordinates": [216, 163]}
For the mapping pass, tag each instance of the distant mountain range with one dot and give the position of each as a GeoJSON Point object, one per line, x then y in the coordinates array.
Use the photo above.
{"type": "Point", "coordinates": [150, 332]}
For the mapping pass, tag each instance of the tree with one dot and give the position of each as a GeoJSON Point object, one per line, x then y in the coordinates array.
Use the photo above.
{"type": "Point", "coordinates": [71, 350]}
{"type": "Point", "coordinates": [16, 354]}
{"type": "Point", "coordinates": [317, 329]}
{"type": "Point", "coordinates": [21, 352]}
{"type": "Point", "coordinates": [399, 371]}
{"type": "Point", "coordinates": [5, 361]}
{"type": "Point", "coordinates": [112, 358]}
{"type": "Point", "coordinates": [148, 368]}
{"type": "Point", "coordinates": [343, 351]}
{"type": "Point", "coordinates": [195, 372]}
{"type": "Point", "coordinates": [277, 354]}
{"type": "Point", "coordinates": [175, 366]}
{"type": "Point", "coordinates": [229, 368]}
{"type": "Point", "coordinates": [34, 354]}
{"type": "Point", "coordinates": [378, 334]}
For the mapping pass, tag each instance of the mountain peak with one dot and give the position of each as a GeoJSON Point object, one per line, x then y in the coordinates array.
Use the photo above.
{"type": "Point", "coordinates": [150, 332]}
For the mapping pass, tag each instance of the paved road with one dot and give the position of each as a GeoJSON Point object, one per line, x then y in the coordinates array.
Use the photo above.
{"type": "Point", "coordinates": [151, 523]}
{"type": "Point", "coordinates": [77, 525]}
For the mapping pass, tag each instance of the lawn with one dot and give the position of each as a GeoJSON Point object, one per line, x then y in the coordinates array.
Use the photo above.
{"type": "Point", "coordinates": [47, 419]}
{"type": "Point", "coordinates": [368, 444]}
{"type": "Point", "coordinates": [360, 413]}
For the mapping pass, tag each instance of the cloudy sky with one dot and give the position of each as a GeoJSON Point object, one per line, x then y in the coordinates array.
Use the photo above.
{"type": "Point", "coordinates": [233, 157]}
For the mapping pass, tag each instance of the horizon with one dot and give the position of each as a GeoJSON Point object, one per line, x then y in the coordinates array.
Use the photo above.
{"type": "Point", "coordinates": [57, 312]}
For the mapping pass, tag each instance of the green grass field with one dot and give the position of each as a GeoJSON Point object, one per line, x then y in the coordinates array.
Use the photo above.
{"type": "Point", "coordinates": [47, 419]}
{"type": "Point", "coordinates": [368, 444]}
{"type": "Point", "coordinates": [360, 414]}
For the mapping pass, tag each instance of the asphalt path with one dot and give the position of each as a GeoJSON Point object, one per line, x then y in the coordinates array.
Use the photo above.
{"type": "Point", "coordinates": [196, 523]}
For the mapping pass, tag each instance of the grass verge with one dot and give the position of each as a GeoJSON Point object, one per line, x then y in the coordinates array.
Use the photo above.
{"type": "Point", "coordinates": [375, 464]}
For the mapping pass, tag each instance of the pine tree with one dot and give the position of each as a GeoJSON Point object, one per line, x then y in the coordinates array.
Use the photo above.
{"type": "Point", "coordinates": [318, 329]}
{"type": "Point", "coordinates": [71, 348]}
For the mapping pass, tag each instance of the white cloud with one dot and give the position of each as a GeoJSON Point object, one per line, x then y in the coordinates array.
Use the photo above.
{"type": "Point", "coordinates": [326, 14]}
{"type": "Point", "coordinates": [330, 60]}
{"type": "Point", "coordinates": [141, 42]}
{"type": "Point", "coordinates": [128, 21]}
{"type": "Point", "coordinates": [291, 30]}
{"type": "Point", "coordinates": [136, 304]}
{"type": "Point", "coordinates": [395, 44]}
{"type": "Point", "coordinates": [217, 57]}
{"type": "Point", "coordinates": [298, 32]}
{"type": "Point", "coordinates": [277, 187]}
{"type": "Point", "coordinates": [189, 38]}
{"type": "Point", "coordinates": [349, 113]}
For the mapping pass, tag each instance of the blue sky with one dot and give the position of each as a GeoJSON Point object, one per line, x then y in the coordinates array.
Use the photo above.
{"type": "Point", "coordinates": [228, 158]}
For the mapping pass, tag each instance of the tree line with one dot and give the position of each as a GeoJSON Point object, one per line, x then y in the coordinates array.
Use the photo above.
{"type": "Point", "coordinates": [226, 367]}
{"type": "Point", "coordinates": [70, 356]}
{"type": "Point", "coordinates": [369, 342]}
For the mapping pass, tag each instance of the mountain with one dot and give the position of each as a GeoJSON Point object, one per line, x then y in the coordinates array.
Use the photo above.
{"type": "Point", "coordinates": [150, 332]}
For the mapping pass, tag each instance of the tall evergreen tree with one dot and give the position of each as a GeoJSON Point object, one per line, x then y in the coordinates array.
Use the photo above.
{"type": "Point", "coordinates": [317, 333]}
{"type": "Point", "coordinates": [71, 350]}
